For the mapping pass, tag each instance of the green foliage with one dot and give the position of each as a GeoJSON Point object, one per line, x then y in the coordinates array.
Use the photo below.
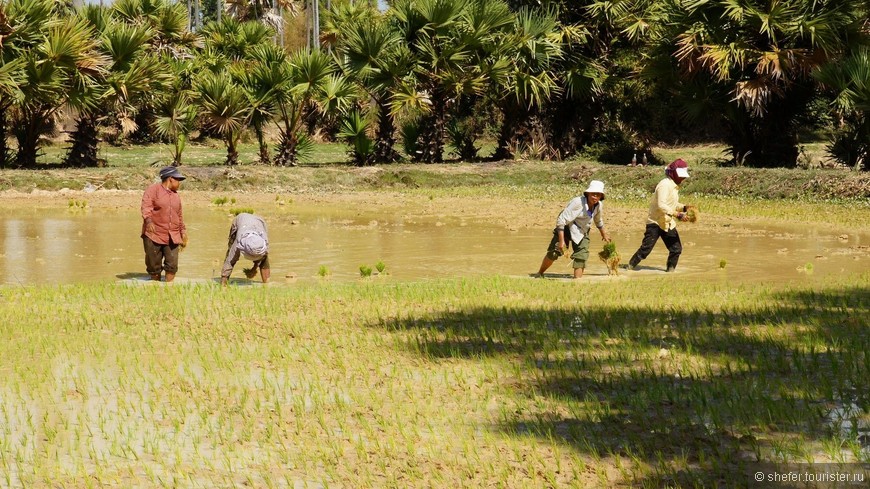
{"type": "Point", "coordinates": [609, 250]}
{"type": "Point", "coordinates": [75, 204]}
{"type": "Point", "coordinates": [323, 271]}
{"type": "Point", "coordinates": [241, 210]}
{"type": "Point", "coordinates": [354, 130]}
{"type": "Point", "coordinates": [722, 263]}
{"type": "Point", "coordinates": [365, 271]}
{"type": "Point", "coordinates": [380, 266]}
{"type": "Point", "coordinates": [219, 200]}
{"type": "Point", "coordinates": [410, 133]}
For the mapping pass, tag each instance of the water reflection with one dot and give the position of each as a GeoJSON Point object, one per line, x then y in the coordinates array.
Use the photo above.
{"type": "Point", "coordinates": [64, 246]}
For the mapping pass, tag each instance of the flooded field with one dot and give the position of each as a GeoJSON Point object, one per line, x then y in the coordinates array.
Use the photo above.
{"type": "Point", "coordinates": [66, 245]}
{"type": "Point", "coordinates": [753, 352]}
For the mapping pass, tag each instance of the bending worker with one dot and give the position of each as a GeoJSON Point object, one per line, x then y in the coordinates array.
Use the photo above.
{"type": "Point", "coordinates": [573, 226]}
{"type": "Point", "coordinates": [247, 238]}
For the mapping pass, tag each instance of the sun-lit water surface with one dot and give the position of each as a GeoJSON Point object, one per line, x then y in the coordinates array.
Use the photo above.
{"type": "Point", "coordinates": [65, 246]}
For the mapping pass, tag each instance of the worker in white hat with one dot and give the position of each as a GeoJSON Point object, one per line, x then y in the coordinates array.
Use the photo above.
{"type": "Point", "coordinates": [577, 219]}
{"type": "Point", "coordinates": [248, 238]}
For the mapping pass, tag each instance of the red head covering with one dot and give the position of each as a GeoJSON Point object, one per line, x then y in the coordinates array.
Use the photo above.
{"type": "Point", "coordinates": [678, 169]}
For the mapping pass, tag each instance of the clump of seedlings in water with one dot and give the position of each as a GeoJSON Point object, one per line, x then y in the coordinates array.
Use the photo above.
{"type": "Point", "coordinates": [219, 201]}
{"type": "Point", "coordinates": [380, 266]}
{"type": "Point", "coordinates": [239, 210]}
{"type": "Point", "coordinates": [323, 271]}
{"type": "Point", "coordinates": [610, 257]}
{"type": "Point", "coordinates": [75, 204]}
{"type": "Point", "coordinates": [365, 271]}
{"type": "Point", "coordinates": [722, 263]}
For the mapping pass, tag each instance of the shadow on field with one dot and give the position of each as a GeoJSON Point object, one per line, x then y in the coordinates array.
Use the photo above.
{"type": "Point", "coordinates": [695, 394]}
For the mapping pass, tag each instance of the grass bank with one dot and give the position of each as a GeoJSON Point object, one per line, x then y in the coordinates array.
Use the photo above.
{"type": "Point", "coordinates": [132, 168]}
{"type": "Point", "coordinates": [451, 383]}
{"type": "Point", "coordinates": [779, 194]}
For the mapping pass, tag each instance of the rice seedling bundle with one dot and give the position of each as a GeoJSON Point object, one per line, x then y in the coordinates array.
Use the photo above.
{"type": "Point", "coordinates": [610, 257]}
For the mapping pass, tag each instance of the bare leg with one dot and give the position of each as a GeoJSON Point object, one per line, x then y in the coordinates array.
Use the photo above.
{"type": "Point", "coordinates": [265, 273]}
{"type": "Point", "coordinates": [545, 264]}
{"type": "Point", "coordinates": [578, 273]}
{"type": "Point", "coordinates": [170, 277]}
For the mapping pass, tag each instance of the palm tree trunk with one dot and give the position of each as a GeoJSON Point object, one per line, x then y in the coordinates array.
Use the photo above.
{"type": "Point", "coordinates": [4, 147]}
{"type": "Point", "coordinates": [264, 146]}
{"type": "Point", "coordinates": [232, 152]}
{"type": "Point", "coordinates": [507, 134]}
{"type": "Point", "coordinates": [27, 135]}
{"type": "Point", "coordinates": [83, 152]}
{"type": "Point", "coordinates": [432, 130]}
{"type": "Point", "coordinates": [386, 138]}
{"type": "Point", "coordinates": [287, 149]}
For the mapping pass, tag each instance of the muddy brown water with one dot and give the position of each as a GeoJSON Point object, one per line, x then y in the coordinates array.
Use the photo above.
{"type": "Point", "coordinates": [46, 246]}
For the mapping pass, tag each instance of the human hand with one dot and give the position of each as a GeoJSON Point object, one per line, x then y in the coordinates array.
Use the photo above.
{"type": "Point", "coordinates": [150, 228]}
{"type": "Point", "coordinates": [250, 272]}
{"type": "Point", "coordinates": [681, 216]}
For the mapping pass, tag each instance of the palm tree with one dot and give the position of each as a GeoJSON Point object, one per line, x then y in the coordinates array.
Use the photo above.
{"type": "Point", "coordinates": [373, 56]}
{"type": "Point", "coordinates": [225, 108]}
{"type": "Point", "coordinates": [306, 75]}
{"type": "Point", "coordinates": [849, 80]}
{"type": "Point", "coordinates": [60, 61]}
{"type": "Point", "coordinates": [175, 118]}
{"type": "Point", "coordinates": [760, 55]}
{"type": "Point", "coordinates": [9, 76]}
{"type": "Point", "coordinates": [132, 75]}
{"type": "Point", "coordinates": [446, 39]}
{"type": "Point", "coordinates": [260, 78]}
{"type": "Point", "coordinates": [528, 82]}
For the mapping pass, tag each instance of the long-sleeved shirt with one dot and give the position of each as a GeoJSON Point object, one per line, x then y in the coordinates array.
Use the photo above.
{"type": "Point", "coordinates": [665, 205]}
{"type": "Point", "coordinates": [243, 224]}
{"type": "Point", "coordinates": [578, 217]}
{"type": "Point", "coordinates": [162, 207]}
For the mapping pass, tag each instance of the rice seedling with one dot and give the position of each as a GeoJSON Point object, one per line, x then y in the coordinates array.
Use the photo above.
{"type": "Point", "coordinates": [323, 271]}
{"type": "Point", "coordinates": [365, 271]}
{"type": "Point", "coordinates": [77, 205]}
{"type": "Point", "coordinates": [723, 263]}
{"type": "Point", "coordinates": [219, 201]}
{"type": "Point", "coordinates": [239, 210]}
{"type": "Point", "coordinates": [380, 266]}
{"type": "Point", "coordinates": [475, 381]}
{"type": "Point", "coordinates": [610, 257]}
{"type": "Point", "coordinates": [692, 213]}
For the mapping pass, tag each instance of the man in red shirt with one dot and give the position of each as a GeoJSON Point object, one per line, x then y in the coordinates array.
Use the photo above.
{"type": "Point", "coordinates": [163, 229]}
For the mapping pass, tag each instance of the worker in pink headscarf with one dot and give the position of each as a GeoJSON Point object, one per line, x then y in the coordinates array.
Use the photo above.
{"type": "Point", "coordinates": [664, 212]}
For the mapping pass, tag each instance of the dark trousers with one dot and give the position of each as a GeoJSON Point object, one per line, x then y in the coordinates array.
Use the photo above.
{"type": "Point", "coordinates": [160, 257]}
{"type": "Point", "coordinates": [650, 237]}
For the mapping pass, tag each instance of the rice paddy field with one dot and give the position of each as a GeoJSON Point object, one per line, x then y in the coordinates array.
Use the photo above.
{"type": "Point", "coordinates": [492, 381]}
{"type": "Point", "coordinates": [466, 381]}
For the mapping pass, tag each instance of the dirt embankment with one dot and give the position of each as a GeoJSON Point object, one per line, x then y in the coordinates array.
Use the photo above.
{"type": "Point", "coordinates": [753, 183]}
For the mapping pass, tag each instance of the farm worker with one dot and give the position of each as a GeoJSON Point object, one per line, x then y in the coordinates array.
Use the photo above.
{"type": "Point", "coordinates": [247, 238]}
{"type": "Point", "coordinates": [664, 212]}
{"type": "Point", "coordinates": [577, 217]}
{"type": "Point", "coordinates": [163, 229]}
